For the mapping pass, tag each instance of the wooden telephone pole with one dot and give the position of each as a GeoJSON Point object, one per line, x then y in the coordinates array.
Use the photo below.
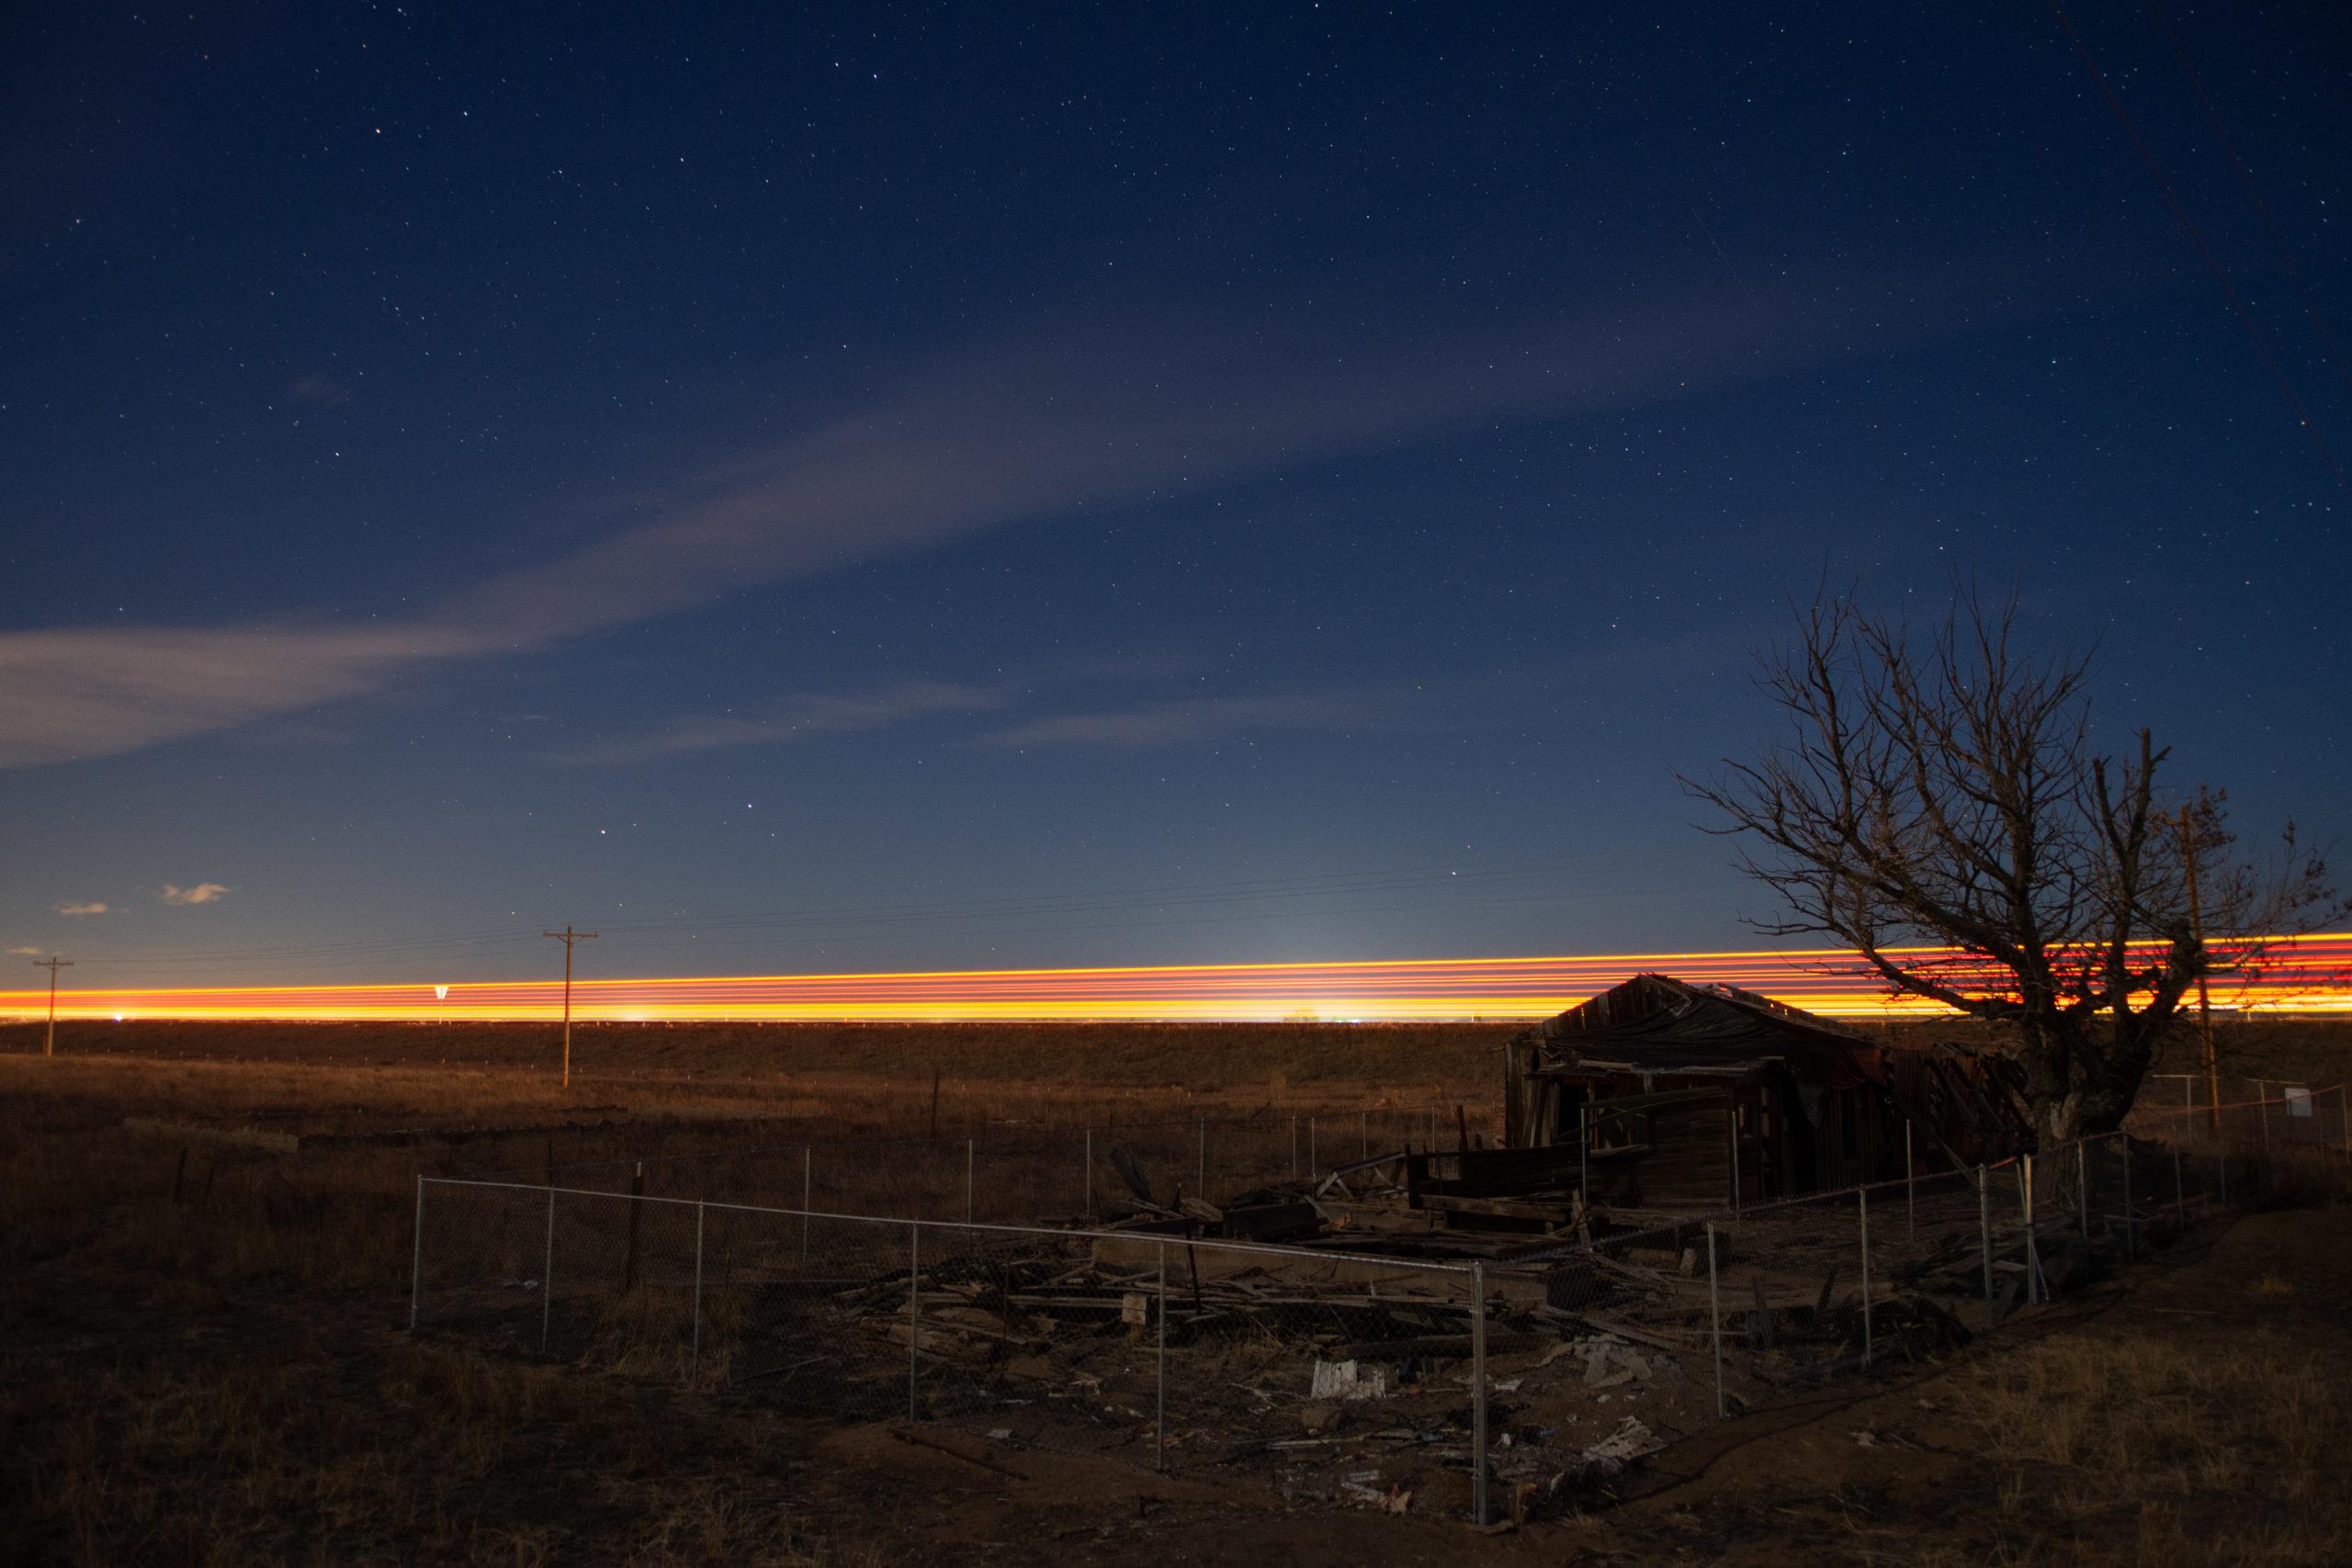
{"type": "Point", "coordinates": [2204, 1001]}
{"type": "Point", "coordinates": [568, 936]}
{"type": "Point", "coordinates": [49, 1041]}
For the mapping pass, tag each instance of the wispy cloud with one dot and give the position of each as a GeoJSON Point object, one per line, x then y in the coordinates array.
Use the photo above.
{"type": "Point", "coordinates": [24, 952]}
{"type": "Point", "coordinates": [1172, 723]}
{"type": "Point", "coordinates": [90, 909]}
{"type": "Point", "coordinates": [202, 893]}
{"type": "Point", "coordinates": [84, 692]}
{"type": "Point", "coordinates": [1113, 415]}
{"type": "Point", "coordinates": [1478, 700]}
{"type": "Point", "coordinates": [805, 716]}
{"type": "Point", "coordinates": [319, 391]}
{"type": "Point", "coordinates": [809, 715]}
{"type": "Point", "coordinates": [1505, 697]}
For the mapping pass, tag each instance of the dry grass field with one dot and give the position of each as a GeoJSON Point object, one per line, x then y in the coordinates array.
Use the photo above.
{"type": "Point", "coordinates": [203, 1356]}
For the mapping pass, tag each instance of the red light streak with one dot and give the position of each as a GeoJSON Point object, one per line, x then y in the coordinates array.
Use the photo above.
{"type": "Point", "coordinates": [2308, 976]}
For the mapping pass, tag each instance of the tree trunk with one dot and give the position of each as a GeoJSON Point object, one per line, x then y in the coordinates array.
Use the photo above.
{"type": "Point", "coordinates": [2079, 1088]}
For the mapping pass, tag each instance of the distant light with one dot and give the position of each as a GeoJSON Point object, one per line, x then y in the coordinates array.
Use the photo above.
{"type": "Point", "coordinates": [118, 1017]}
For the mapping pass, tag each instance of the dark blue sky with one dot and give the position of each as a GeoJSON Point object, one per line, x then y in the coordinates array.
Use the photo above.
{"type": "Point", "coordinates": [468, 467]}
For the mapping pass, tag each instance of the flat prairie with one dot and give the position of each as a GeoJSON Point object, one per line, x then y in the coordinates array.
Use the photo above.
{"type": "Point", "coordinates": [205, 1235]}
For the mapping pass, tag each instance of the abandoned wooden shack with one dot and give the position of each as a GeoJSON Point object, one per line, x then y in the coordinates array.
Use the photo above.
{"type": "Point", "coordinates": [1665, 1098]}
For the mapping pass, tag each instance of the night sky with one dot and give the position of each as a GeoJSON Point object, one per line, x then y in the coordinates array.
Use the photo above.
{"type": "Point", "coordinates": [977, 487]}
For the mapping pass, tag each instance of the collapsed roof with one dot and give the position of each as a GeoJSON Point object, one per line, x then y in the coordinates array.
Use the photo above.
{"type": "Point", "coordinates": [1657, 1024]}
{"type": "Point", "coordinates": [1969, 1101]}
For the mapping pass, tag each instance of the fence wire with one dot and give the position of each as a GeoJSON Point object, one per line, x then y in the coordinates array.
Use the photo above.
{"type": "Point", "coordinates": [1018, 1173]}
{"type": "Point", "coordinates": [1513, 1375]}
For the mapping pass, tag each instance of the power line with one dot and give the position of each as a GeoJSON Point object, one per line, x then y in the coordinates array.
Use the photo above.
{"type": "Point", "coordinates": [568, 937]}
{"type": "Point", "coordinates": [845, 922]}
{"type": "Point", "coordinates": [2188, 227]}
{"type": "Point", "coordinates": [51, 964]}
{"type": "Point", "coordinates": [823, 938]}
{"type": "Point", "coordinates": [2246, 178]}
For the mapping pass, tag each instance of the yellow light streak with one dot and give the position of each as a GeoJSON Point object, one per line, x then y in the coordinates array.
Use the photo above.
{"type": "Point", "coordinates": [2311, 974]}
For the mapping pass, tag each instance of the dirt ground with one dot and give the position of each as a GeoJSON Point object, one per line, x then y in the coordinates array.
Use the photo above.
{"type": "Point", "coordinates": [204, 1360]}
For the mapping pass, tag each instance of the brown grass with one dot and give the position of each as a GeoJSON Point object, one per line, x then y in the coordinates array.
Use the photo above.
{"type": "Point", "coordinates": [2144, 1453]}
{"type": "Point", "coordinates": [736, 1058]}
{"type": "Point", "coordinates": [200, 1359]}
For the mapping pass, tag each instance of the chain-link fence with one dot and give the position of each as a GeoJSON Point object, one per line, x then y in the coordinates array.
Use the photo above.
{"type": "Point", "coordinates": [1398, 1368]}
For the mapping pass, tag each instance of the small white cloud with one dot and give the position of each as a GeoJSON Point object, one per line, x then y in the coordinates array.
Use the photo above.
{"type": "Point", "coordinates": [319, 391]}
{"type": "Point", "coordinates": [202, 893]}
{"type": "Point", "coordinates": [24, 952]}
{"type": "Point", "coordinates": [81, 908]}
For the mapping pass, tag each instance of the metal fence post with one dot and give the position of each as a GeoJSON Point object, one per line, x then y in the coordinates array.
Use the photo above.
{"type": "Point", "coordinates": [697, 1361]}
{"type": "Point", "coordinates": [1478, 1394]}
{"type": "Point", "coordinates": [914, 1312]}
{"type": "Point", "coordinates": [2221, 1163]}
{"type": "Point", "coordinates": [547, 1277]}
{"type": "Point", "coordinates": [1159, 1405]}
{"type": "Point", "coordinates": [1203, 1187]}
{"type": "Point", "coordinates": [417, 1263]}
{"type": "Point", "coordinates": [1910, 1188]}
{"type": "Point", "coordinates": [1090, 1173]}
{"type": "Point", "coordinates": [1715, 1319]}
{"type": "Point", "coordinates": [1363, 1131]}
{"type": "Point", "coordinates": [1862, 1208]}
{"type": "Point", "coordinates": [1985, 1230]}
{"type": "Point", "coordinates": [2033, 1252]}
{"type": "Point", "coordinates": [971, 1153]}
{"type": "Point", "coordinates": [808, 1185]}
{"type": "Point", "coordinates": [1311, 1166]}
{"type": "Point", "coordinates": [1294, 1148]}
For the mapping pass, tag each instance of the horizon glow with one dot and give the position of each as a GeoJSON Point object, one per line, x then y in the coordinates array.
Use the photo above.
{"type": "Point", "coordinates": [2311, 974]}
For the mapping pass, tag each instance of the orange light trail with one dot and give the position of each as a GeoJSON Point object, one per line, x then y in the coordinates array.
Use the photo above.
{"type": "Point", "coordinates": [2311, 974]}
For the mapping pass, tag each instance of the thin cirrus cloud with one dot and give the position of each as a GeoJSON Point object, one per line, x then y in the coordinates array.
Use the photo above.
{"type": "Point", "coordinates": [90, 909]}
{"type": "Point", "coordinates": [1116, 417]}
{"type": "Point", "coordinates": [1188, 719]}
{"type": "Point", "coordinates": [805, 716]}
{"type": "Point", "coordinates": [810, 716]}
{"type": "Point", "coordinates": [1478, 701]}
{"type": "Point", "coordinates": [1500, 698]}
{"type": "Point", "coordinates": [202, 893]}
{"type": "Point", "coordinates": [94, 691]}
{"type": "Point", "coordinates": [319, 391]}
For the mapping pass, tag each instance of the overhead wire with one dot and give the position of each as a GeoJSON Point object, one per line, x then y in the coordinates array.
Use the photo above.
{"type": "Point", "coordinates": [2246, 178]}
{"type": "Point", "coordinates": [961, 917]}
{"type": "Point", "coordinates": [2188, 227]}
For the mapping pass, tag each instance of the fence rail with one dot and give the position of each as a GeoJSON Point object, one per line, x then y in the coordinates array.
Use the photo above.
{"type": "Point", "coordinates": [1019, 1172]}
{"type": "Point", "coordinates": [1345, 1370]}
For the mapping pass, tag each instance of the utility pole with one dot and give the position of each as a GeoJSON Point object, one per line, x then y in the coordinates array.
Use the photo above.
{"type": "Point", "coordinates": [49, 1041]}
{"type": "Point", "coordinates": [568, 936]}
{"type": "Point", "coordinates": [2204, 1001]}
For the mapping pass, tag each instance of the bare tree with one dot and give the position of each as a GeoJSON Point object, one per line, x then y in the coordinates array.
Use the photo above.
{"type": "Point", "coordinates": [1940, 808]}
